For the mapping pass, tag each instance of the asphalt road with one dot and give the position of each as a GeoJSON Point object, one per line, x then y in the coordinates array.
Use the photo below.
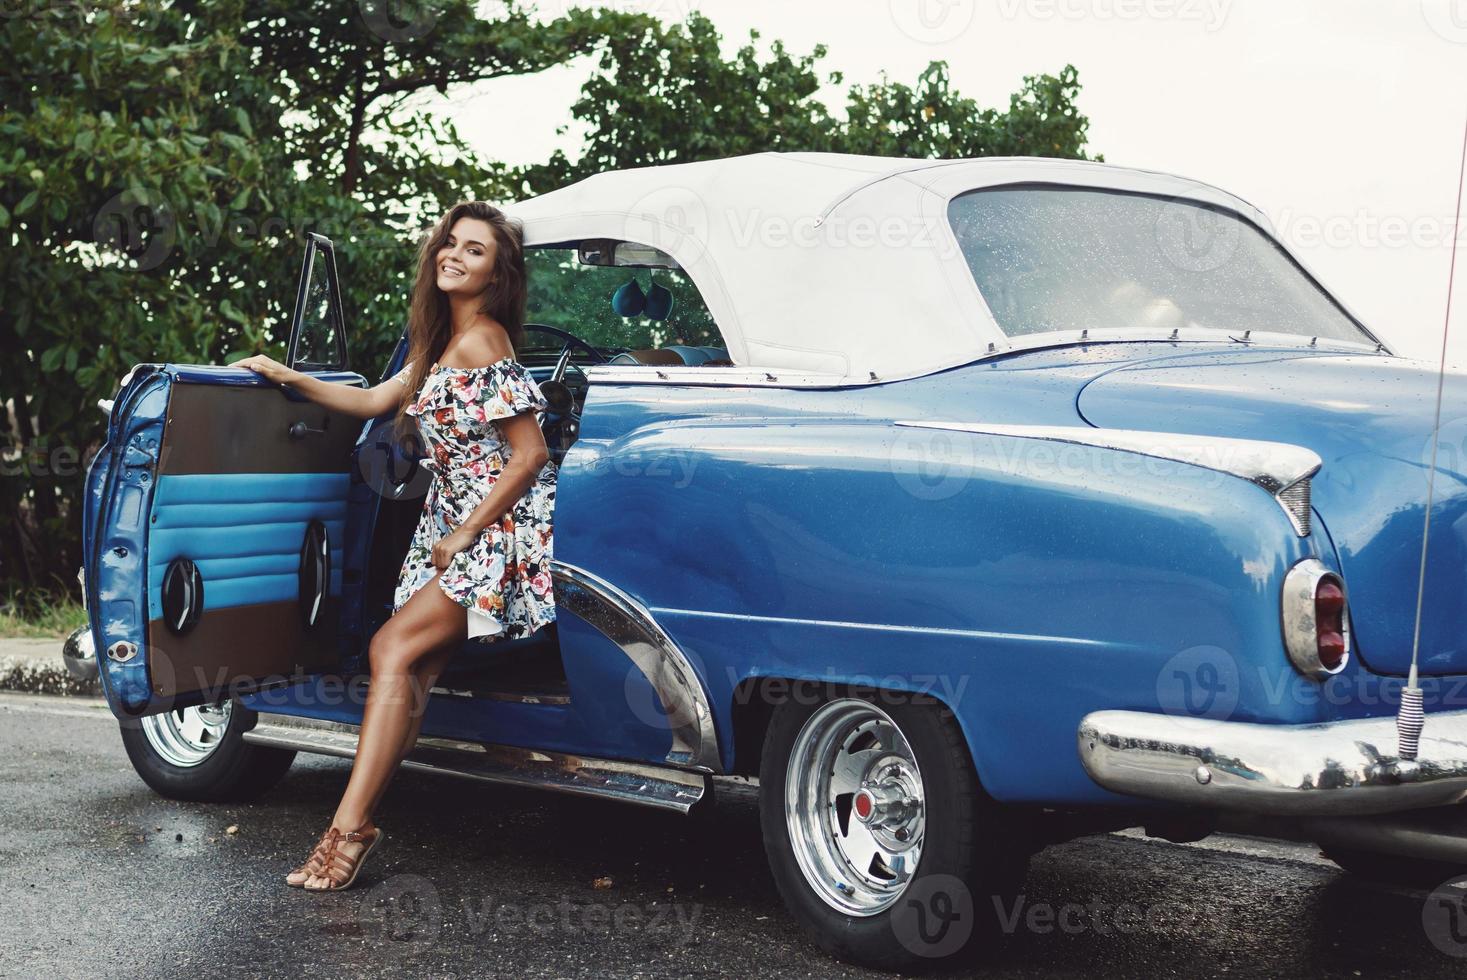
{"type": "Point", "coordinates": [103, 878]}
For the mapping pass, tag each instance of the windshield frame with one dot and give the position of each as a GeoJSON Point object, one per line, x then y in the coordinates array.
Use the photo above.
{"type": "Point", "coordinates": [1189, 334]}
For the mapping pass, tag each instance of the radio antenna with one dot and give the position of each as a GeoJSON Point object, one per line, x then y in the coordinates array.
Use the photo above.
{"type": "Point", "coordinates": [1411, 718]}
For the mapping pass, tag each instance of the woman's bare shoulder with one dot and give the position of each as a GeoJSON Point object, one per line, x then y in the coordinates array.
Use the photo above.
{"type": "Point", "coordinates": [478, 347]}
{"type": "Point", "coordinates": [484, 345]}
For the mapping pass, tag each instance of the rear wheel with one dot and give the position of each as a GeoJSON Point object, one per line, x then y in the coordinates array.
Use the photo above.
{"type": "Point", "coordinates": [200, 754]}
{"type": "Point", "coordinates": [882, 843]}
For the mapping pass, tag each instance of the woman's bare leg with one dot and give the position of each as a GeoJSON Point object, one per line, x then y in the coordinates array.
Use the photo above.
{"type": "Point", "coordinates": [425, 675]}
{"type": "Point", "coordinates": [429, 626]}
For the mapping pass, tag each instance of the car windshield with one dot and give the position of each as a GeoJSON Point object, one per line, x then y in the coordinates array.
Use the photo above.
{"type": "Point", "coordinates": [1050, 258]}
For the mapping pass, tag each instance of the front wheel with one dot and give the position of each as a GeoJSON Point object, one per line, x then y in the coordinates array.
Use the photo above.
{"type": "Point", "coordinates": [881, 842]}
{"type": "Point", "coordinates": [200, 754]}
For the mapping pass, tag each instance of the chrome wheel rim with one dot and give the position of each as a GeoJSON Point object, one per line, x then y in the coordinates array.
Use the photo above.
{"type": "Point", "coordinates": [855, 807]}
{"type": "Point", "coordinates": [186, 737]}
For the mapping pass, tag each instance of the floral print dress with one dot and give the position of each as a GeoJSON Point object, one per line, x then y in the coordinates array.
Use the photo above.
{"type": "Point", "coordinates": [503, 576]}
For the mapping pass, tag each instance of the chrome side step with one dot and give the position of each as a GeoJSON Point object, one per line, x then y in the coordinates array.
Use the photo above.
{"type": "Point", "coordinates": [630, 782]}
{"type": "Point", "coordinates": [511, 697]}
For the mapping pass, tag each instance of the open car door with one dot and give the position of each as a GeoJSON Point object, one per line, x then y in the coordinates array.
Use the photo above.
{"type": "Point", "coordinates": [215, 520]}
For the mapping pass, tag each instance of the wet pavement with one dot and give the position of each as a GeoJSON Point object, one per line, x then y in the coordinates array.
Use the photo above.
{"type": "Point", "coordinates": [104, 878]}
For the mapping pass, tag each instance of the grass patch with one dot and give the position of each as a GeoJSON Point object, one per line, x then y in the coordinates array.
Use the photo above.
{"type": "Point", "coordinates": [39, 613]}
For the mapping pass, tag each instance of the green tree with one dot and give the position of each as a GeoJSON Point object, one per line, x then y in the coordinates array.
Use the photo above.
{"type": "Point", "coordinates": [159, 162]}
{"type": "Point", "coordinates": [668, 95]}
{"type": "Point", "coordinates": [931, 120]}
{"type": "Point", "coordinates": [671, 96]}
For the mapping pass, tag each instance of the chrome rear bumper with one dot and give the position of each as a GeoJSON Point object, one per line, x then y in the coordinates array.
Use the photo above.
{"type": "Point", "coordinates": [1328, 769]}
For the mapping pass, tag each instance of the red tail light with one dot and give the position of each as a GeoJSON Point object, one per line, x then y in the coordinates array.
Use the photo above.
{"type": "Point", "coordinates": [1315, 619]}
{"type": "Point", "coordinates": [1329, 623]}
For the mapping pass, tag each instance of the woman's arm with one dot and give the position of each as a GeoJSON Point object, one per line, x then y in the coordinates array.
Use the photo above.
{"type": "Point", "coordinates": [528, 454]}
{"type": "Point", "coordinates": [364, 403]}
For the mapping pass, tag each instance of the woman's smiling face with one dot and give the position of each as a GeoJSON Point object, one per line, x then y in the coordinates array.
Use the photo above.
{"type": "Point", "coordinates": [465, 263]}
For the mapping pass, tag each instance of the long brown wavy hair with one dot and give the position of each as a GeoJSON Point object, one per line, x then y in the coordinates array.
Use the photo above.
{"type": "Point", "coordinates": [429, 328]}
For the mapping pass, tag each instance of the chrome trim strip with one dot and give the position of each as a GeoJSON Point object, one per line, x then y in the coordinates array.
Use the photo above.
{"type": "Point", "coordinates": [1340, 768]}
{"type": "Point", "coordinates": [509, 697]}
{"type": "Point", "coordinates": [654, 786]}
{"type": "Point", "coordinates": [627, 623]}
{"type": "Point", "coordinates": [1022, 343]}
{"type": "Point", "coordinates": [1041, 638]}
{"type": "Point", "coordinates": [1271, 466]}
{"type": "Point", "coordinates": [1301, 640]}
{"type": "Point", "coordinates": [742, 375]}
{"type": "Point", "coordinates": [719, 376]}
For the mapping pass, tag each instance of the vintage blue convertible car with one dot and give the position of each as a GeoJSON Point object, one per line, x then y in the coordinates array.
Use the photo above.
{"type": "Point", "coordinates": [969, 505]}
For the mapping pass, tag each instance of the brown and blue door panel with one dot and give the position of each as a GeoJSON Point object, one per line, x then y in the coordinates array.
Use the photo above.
{"type": "Point", "coordinates": [243, 542]}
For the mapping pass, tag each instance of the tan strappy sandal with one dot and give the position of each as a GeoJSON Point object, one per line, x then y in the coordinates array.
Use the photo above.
{"type": "Point", "coordinates": [314, 863]}
{"type": "Point", "coordinates": [339, 869]}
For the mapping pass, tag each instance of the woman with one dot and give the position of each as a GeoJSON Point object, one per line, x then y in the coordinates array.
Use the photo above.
{"type": "Point", "coordinates": [484, 538]}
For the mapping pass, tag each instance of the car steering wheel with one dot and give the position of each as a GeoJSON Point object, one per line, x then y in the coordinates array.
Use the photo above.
{"type": "Point", "coordinates": [569, 340]}
{"type": "Point", "coordinates": [562, 403]}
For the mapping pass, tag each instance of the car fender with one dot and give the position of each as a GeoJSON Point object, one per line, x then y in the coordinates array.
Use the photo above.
{"type": "Point", "coordinates": [1024, 583]}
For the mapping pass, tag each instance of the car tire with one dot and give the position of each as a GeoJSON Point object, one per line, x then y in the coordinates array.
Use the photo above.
{"type": "Point", "coordinates": [971, 853]}
{"type": "Point", "coordinates": [1393, 869]}
{"type": "Point", "coordinates": [199, 754]}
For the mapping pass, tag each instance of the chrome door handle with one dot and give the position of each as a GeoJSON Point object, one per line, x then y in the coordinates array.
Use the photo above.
{"type": "Point", "coordinates": [300, 430]}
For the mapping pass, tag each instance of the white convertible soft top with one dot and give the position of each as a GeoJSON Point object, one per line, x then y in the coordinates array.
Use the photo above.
{"type": "Point", "coordinates": [827, 264]}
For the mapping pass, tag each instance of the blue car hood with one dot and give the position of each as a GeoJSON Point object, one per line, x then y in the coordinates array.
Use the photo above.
{"type": "Point", "coordinates": [1369, 417]}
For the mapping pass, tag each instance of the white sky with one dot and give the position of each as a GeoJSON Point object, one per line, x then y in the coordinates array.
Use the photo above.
{"type": "Point", "coordinates": [1340, 119]}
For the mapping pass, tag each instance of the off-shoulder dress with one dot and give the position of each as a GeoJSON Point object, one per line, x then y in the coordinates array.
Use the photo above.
{"type": "Point", "coordinates": [503, 576]}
